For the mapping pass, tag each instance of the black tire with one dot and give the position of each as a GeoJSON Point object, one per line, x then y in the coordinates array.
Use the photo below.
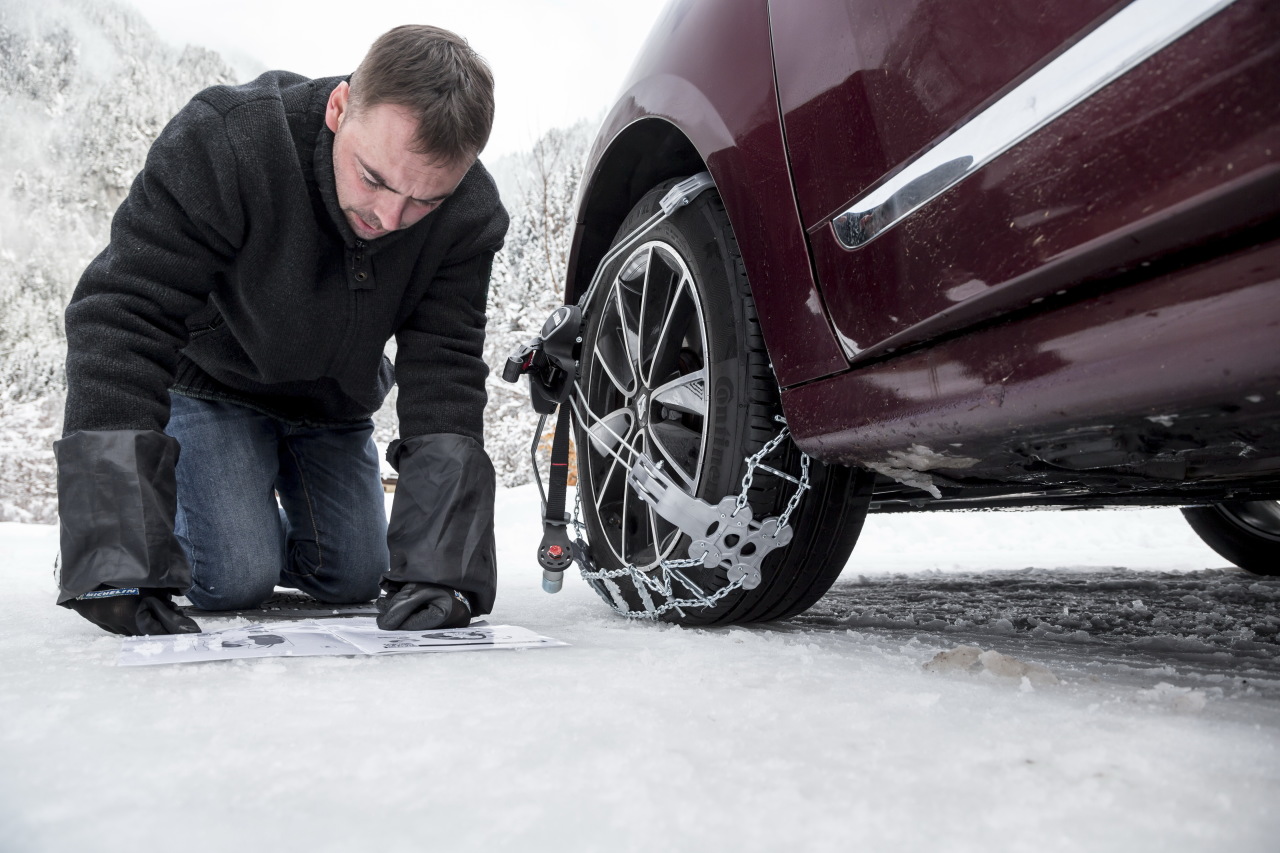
{"type": "Point", "coordinates": [1245, 532]}
{"type": "Point", "coordinates": [680, 299]}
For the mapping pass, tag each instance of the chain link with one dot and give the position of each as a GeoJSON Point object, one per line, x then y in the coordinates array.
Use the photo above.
{"type": "Point", "coordinates": [801, 488]}
{"type": "Point", "coordinates": [646, 580]}
{"type": "Point", "coordinates": [663, 587]}
{"type": "Point", "coordinates": [754, 460]}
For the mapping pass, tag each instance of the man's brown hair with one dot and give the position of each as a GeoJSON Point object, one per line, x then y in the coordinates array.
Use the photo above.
{"type": "Point", "coordinates": [445, 85]}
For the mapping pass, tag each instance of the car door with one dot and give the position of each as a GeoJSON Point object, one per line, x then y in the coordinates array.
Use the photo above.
{"type": "Point", "coordinates": [870, 89]}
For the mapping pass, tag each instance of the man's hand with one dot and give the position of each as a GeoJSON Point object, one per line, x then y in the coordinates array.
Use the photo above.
{"type": "Point", "coordinates": [134, 612]}
{"type": "Point", "coordinates": [421, 607]}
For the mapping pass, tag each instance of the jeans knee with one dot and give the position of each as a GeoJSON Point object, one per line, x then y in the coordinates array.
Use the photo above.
{"type": "Point", "coordinates": [232, 574]}
{"type": "Point", "coordinates": [364, 590]}
{"type": "Point", "coordinates": [228, 598]}
{"type": "Point", "coordinates": [346, 575]}
{"type": "Point", "coordinates": [341, 581]}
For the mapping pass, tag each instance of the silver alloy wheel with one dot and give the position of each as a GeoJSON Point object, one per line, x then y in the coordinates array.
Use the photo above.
{"type": "Point", "coordinates": [647, 385]}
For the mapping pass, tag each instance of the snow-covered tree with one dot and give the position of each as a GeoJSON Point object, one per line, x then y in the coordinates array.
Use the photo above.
{"type": "Point", "coordinates": [528, 280]}
{"type": "Point", "coordinates": [84, 87]}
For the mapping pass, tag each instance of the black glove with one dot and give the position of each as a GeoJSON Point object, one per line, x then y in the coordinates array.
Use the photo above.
{"type": "Point", "coordinates": [134, 613]}
{"type": "Point", "coordinates": [421, 607]}
{"type": "Point", "coordinates": [441, 526]}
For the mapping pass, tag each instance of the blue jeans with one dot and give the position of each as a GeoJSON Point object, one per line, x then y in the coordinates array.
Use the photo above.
{"type": "Point", "coordinates": [327, 536]}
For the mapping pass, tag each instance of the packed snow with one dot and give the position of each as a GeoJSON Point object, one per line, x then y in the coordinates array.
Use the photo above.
{"type": "Point", "coordinates": [975, 681]}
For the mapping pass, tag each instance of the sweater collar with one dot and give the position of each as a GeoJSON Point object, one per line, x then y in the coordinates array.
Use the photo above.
{"type": "Point", "coordinates": [322, 165]}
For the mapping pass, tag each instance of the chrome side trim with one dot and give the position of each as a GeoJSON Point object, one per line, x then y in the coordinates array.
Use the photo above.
{"type": "Point", "coordinates": [1133, 34]}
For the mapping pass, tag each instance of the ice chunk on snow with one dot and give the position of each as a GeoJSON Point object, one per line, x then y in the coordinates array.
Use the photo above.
{"type": "Point", "coordinates": [1008, 667]}
{"type": "Point", "coordinates": [975, 661]}
{"type": "Point", "coordinates": [1184, 699]}
{"type": "Point", "coordinates": [959, 659]}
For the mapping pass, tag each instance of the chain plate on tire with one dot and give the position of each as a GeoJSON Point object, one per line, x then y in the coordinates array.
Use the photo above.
{"type": "Point", "coordinates": [723, 535]}
{"type": "Point", "coordinates": [712, 528]}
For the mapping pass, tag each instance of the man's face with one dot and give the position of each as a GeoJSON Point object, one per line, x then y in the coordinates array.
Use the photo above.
{"type": "Point", "coordinates": [383, 185]}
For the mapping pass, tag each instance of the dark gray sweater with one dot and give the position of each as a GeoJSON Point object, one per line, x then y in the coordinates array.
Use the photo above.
{"type": "Point", "coordinates": [232, 274]}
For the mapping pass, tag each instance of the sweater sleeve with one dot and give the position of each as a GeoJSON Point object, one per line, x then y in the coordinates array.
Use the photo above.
{"type": "Point", "coordinates": [172, 236]}
{"type": "Point", "coordinates": [440, 364]}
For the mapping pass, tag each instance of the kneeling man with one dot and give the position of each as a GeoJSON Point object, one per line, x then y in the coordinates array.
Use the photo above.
{"type": "Point", "coordinates": [225, 353]}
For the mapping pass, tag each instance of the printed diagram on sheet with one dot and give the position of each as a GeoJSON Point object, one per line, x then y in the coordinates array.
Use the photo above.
{"type": "Point", "coordinates": [311, 637]}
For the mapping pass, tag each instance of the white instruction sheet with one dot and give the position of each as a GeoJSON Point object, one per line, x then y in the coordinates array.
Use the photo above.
{"type": "Point", "coordinates": [355, 636]}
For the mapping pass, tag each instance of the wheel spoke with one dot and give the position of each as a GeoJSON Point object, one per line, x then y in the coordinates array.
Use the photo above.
{"type": "Point", "coordinates": [606, 486]}
{"type": "Point", "coordinates": [613, 349]}
{"type": "Point", "coordinates": [680, 327]}
{"type": "Point", "coordinates": [653, 532]}
{"type": "Point", "coordinates": [666, 536]}
{"type": "Point", "coordinates": [629, 306]}
{"type": "Point", "coordinates": [623, 550]}
{"type": "Point", "coordinates": [634, 525]}
{"type": "Point", "coordinates": [681, 447]}
{"type": "Point", "coordinates": [686, 394]}
{"type": "Point", "coordinates": [610, 430]}
{"type": "Point", "coordinates": [659, 291]}
{"type": "Point", "coordinates": [613, 480]}
{"type": "Point", "coordinates": [642, 543]}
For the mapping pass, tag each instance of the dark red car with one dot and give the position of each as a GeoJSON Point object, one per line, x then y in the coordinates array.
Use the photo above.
{"type": "Point", "coordinates": [977, 253]}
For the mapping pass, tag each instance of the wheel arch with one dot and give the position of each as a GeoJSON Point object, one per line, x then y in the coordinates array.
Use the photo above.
{"type": "Point", "coordinates": [645, 153]}
{"type": "Point", "coordinates": [702, 95]}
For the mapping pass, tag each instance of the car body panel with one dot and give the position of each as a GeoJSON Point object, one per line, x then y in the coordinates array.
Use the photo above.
{"type": "Point", "coordinates": [1094, 311]}
{"type": "Point", "coordinates": [891, 78]}
{"type": "Point", "coordinates": [1157, 386]}
{"type": "Point", "coordinates": [707, 70]}
{"type": "Point", "coordinates": [1200, 114]}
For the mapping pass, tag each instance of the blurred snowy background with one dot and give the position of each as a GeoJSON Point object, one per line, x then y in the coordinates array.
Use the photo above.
{"type": "Point", "coordinates": [86, 86]}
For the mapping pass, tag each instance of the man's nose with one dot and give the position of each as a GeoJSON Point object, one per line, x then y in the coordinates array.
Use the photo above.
{"type": "Point", "coordinates": [391, 211]}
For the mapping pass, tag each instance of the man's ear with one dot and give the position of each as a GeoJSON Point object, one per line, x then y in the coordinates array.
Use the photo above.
{"type": "Point", "coordinates": [337, 107]}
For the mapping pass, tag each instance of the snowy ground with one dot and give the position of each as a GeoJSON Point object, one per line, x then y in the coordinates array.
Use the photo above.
{"type": "Point", "coordinates": [1110, 711]}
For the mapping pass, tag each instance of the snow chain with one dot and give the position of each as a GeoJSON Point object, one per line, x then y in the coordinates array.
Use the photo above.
{"type": "Point", "coordinates": [671, 570]}
{"type": "Point", "coordinates": [721, 535]}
